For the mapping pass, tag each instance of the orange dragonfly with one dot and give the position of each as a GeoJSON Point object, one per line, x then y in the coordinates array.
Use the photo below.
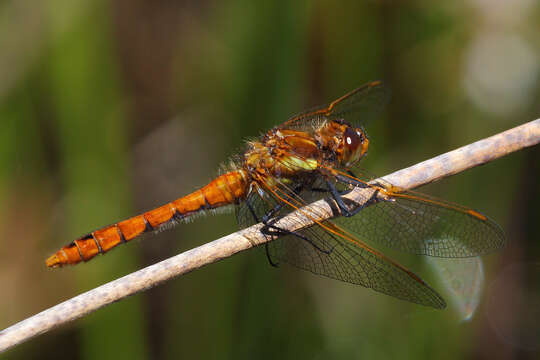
{"type": "Point", "coordinates": [310, 157]}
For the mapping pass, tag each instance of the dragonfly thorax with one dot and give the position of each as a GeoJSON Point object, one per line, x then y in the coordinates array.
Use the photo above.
{"type": "Point", "coordinates": [282, 154]}
{"type": "Point", "coordinates": [287, 154]}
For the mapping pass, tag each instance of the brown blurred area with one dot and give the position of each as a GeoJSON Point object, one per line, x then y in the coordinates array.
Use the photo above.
{"type": "Point", "coordinates": [111, 108]}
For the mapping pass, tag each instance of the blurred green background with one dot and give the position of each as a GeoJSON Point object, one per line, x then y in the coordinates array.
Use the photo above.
{"type": "Point", "coordinates": [111, 108]}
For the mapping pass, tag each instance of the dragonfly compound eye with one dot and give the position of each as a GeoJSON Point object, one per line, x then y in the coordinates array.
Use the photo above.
{"type": "Point", "coordinates": [352, 139]}
{"type": "Point", "coordinates": [355, 144]}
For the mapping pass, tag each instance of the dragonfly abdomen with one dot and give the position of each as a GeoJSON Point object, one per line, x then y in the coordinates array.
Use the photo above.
{"type": "Point", "coordinates": [224, 190]}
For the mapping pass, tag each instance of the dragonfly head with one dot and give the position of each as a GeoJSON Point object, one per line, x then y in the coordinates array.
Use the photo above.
{"type": "Point", "coordinates": [345, 143]}
{"type": "Point", "coordinates": [353, 145]}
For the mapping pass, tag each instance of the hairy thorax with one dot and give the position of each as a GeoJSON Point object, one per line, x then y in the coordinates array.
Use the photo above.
{"type": "Point", "coordinates": [282, 154]}
{"type": "Point", "coordinates": [286, 154]}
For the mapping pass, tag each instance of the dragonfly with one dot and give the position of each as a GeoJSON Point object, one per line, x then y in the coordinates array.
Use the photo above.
{"type": "Point", "coordinates": [314, 156]}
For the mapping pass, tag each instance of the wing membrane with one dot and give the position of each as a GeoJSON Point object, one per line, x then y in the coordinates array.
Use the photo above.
{"type": "Point", "coordinates": [329, 255]}
{"type": "Point", "coordinates": [324, 249]}
{"type": "Point", "coordinates": [357, 106]}
{"type": "Point", "coordinates": [425, 225]}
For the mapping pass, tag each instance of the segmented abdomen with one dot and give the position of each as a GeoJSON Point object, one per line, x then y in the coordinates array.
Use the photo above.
{"type": "Point", "coordinates": [224, 190]}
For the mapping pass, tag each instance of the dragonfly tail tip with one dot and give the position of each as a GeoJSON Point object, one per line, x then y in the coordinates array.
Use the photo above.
{"type": "Point", "coordinates": [53, 261]}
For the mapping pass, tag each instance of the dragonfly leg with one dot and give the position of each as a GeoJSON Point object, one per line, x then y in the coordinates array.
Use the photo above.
{"type": "Point", "coordinates": [339, 200]}
{"type": "Point", "coordinates": [270, 229]}
{"type": "Point", "coordinates": [268, 257]}
{"type": "Point", "coordinates": [267, 220]}
{"type": "Point", "coordinates": [270, 214]}
{"type": "Point", "coordinates": [266, 217]}
{"type": "Point", "coordinates": [372, 200]}
{"type": "Point", "coordinates": [263, 230]}
{"type": "Point", "coordinates": [341, 203]}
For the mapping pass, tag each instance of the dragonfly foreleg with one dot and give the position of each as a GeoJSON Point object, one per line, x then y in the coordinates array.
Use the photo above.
{"type": "Point", "coordinates": [344, 209]}
{"type": "Point", "coordinates": [270, 214]}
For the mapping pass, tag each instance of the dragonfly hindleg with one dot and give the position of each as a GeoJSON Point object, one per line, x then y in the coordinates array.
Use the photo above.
{"type": "Point", "coordinates": [270, 229]}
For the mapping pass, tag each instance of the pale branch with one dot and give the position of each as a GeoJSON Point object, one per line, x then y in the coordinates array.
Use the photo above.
{"type": "Point", "coordinates": [453, 162]}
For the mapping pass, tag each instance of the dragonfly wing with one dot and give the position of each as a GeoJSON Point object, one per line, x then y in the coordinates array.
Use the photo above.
{"type": "Point", "coordinates": [260, 206]}
{"type": "Point", "coordinates": [355, 107]}
{"type": "Point", "coordinates": [424, 225]}
{"type": "Point", "coordinates": [326, 254]}
{"type": "Point", "coordinates": [262, 201]}
{"type": "Point", "coordinates": [322, 249]}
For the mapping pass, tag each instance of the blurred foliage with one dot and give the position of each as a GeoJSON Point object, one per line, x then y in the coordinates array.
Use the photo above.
{"type": "Point", "coordinates": [111, 108]}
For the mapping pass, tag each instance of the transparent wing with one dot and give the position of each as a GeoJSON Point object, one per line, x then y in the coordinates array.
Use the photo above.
{"type": "Point", "coordinates": [419, 224]}
{"type": "Point", "coordinates": [325, 250]}
{"type": "Point", "coordinates": [355, 107]}
{"type": "Point", "coordinates": [304, 192]}
{"type": "Point", "coordinates": [260, 204]}
{"type": "Point", "coordinates": [331, 256]}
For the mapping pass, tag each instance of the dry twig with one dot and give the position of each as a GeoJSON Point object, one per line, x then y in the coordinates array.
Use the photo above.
{"type": "Point", "coordinates": [453, 162]}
